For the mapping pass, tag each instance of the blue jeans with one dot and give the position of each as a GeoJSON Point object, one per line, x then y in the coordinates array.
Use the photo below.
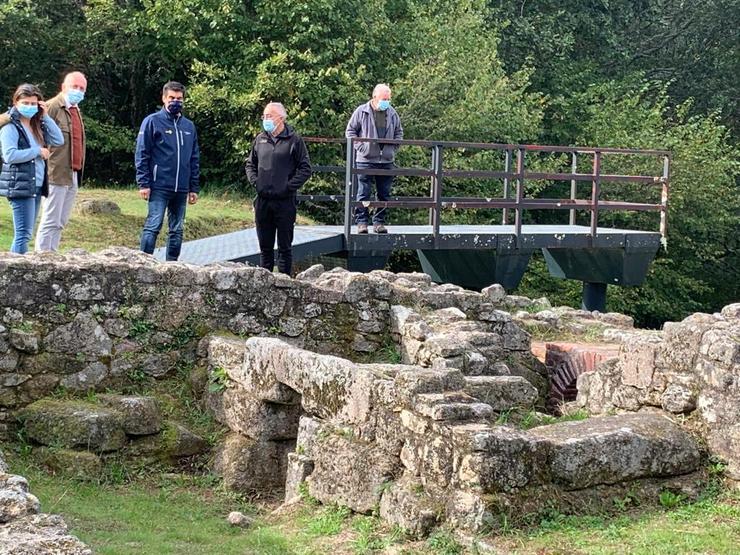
{"type": "Point", "coordinates": [365, 189]}
{"type": "Point", "coordinates": [24, 220]}
{"type": "Point", "coordinates": [175, 205]}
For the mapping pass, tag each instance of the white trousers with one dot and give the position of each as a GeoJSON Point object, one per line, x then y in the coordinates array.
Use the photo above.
{"type": "Point", "coordinates": [56, 211]}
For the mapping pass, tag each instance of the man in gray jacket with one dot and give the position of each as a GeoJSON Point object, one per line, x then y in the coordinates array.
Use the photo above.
{"type": "Point", "coordinates": [374, 119]}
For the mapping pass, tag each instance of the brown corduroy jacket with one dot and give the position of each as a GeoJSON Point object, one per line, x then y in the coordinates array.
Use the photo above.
{"type": "Point", "coordinates": [60, 161]}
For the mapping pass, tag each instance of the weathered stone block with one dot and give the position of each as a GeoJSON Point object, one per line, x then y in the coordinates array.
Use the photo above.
{"type": "Point", "coordinates": [502, 392]}
{"type": "Point", "coordinates": [141, 415]}
{"type": "Point", "coordinates": [88, 378]}
{"type": "Point", "coordinates": [74, 424]}
{"type": "Point", "coordinates": [350, 473]}
{"type": "Point", "coordinates": [299, 468]}
{"type": "Point", "coordinates": [39, 534]}
{"type": "Point", "coordinates": [451, 406]}
{"type": "Point", "coordinates": [23, 340]}
{"type": "Point", "coordinates": [15, 499]}
{"type": "Point", "coordinates": [611, 449]}
{"type": "Point", "coordinates": [259, 419]}
{"type": "Point", "coordinates": [83, 335]}
{"type": "Point", "coordinates": [248, 466]}
{"type": "Point", "coordinates": [498, 459]}
{"type": "Point", "coordinates": [82, 465]}
{"type": "Point", "coordinates": [406, 505]}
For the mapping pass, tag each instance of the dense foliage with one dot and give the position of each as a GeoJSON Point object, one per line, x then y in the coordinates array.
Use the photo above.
{"type": "Point", "coordinates": [653, 73]}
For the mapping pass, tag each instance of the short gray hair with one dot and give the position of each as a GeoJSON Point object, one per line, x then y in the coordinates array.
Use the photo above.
{"type": "Point", "coordinates": [280, 109]}
{"type": "Point", "coordinates": [379, 88]}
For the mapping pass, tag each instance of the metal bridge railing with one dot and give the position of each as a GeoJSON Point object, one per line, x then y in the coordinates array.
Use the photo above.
{"type": "Point", "coordinates": [514, 175]}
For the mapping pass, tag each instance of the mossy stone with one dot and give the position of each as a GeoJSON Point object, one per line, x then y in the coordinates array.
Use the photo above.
{"type": "Point", "coordinates": [73, 425]}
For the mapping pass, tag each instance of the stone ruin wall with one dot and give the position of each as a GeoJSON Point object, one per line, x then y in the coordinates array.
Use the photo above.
{"type": "Point", "coordinates": [93, 321]}
{"type": "Point", "coordinates": [421, 441]}
{"type": "Point", "coordinates": [691, 368]}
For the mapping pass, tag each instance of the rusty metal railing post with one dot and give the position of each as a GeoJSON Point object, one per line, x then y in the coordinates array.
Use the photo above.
{"type": "Point", "coordinates": [507, 185]}
{"type": "Point", "coordinates": [573, 186]}
{"type": "Point", "coordinates": [348, 196]}
{"type": "Point", "coordinates": [595, 194]}
{"type": "Point", "coordinates": [432, 184]}
{"type": "Point", "coordinates": [437, 193]}
{"type": "Point", "coordinates": [519, 194]}
{"type": "Point", "coordinates": [664, 199]}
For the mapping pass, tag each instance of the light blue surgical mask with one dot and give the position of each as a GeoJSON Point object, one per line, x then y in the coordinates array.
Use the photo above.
{"type": "Point", "coordinates": [383, 105]}
{"type": "Point", "coordinates": [27, 111]}
{"type": "Point", "coordinates": [268, 125]}
{"type": "Point", "coordinates": [75, 96]}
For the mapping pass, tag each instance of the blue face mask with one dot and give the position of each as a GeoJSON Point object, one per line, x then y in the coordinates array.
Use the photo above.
{"type": "Point", "coordinates": [268, 125]}
{"type": "Point", "coordinates": [75, 96]}
{"type": "Point", "coordinates": [27, 111]}
{"type": "Point", "coordinates": [174, 107]}
{"type": "Point", "coordinates": [383, 105]}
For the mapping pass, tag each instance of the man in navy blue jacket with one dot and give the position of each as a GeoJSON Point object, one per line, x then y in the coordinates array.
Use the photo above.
{"type": "Point", "coordinates": [167, 169]}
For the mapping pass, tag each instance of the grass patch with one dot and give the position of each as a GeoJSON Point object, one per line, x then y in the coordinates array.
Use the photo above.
{"type": "Point", "coordinates": [212, 215]}
{"type": "Point", "coordinates": [541, 331]}
{"type": "Point", "coordinates": [171, 513]}
{"type": "Point", "coordinates": [710, 525]}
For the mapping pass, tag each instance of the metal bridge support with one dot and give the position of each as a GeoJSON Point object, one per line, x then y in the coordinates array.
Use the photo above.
{"type": "Point", "coordinates": [597, 267]}
{"type": "Point", "coordinates": [475, 269]}
{"type": "Point", "coordinates": [594, 296]}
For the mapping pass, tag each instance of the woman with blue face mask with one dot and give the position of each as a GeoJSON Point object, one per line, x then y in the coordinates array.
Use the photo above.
{"type": "Point", "coordinates": [26, 134]}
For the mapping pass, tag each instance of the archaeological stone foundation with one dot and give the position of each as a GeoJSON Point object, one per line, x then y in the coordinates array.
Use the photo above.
{"type": "Point", "coordinates": [381, 392]}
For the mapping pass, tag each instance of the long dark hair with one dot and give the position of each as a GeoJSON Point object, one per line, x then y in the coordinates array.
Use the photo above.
{"type": "Point", "coordinates": [27, 90]}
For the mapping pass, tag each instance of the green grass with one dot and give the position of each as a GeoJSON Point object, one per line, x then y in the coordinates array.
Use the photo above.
{"type": "Point", "coordinates": [711, 526]}
{"type": "Point", "coordinates": [212, 215]}
{"type": "Point", "coordinates": [154, 513]}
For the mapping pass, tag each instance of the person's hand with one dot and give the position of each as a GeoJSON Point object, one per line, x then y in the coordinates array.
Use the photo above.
{"type": "Point", "coordinates": [42, 108]}
{"type": "Point", "coordinates": [45, 153]}
{"type": "Point", "coordinates": [192, 198]}
{"type": "Point", "coordinates": [144, 193]}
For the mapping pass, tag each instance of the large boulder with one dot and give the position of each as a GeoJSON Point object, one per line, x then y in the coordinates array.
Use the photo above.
{"type": "Point", "coordinates": [74, 424]}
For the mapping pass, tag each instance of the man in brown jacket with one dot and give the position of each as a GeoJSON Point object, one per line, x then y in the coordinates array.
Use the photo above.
{"type": "Point", "coordinates": [66, 162]}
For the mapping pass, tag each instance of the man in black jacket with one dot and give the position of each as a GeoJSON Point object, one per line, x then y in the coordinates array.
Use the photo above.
{"type": "Point", "coordinates": [277, 166]}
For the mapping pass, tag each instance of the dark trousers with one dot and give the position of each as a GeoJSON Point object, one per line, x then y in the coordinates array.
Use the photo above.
{"type": "Point", "coordinates": [174, 204]}
{"type": "Point", "coordinates": [365, 190]}
{"type": "Point", "coordinates": [275, 217]}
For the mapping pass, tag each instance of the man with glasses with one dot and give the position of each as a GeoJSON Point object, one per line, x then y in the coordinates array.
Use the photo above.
{"type": "Point", "coordinates": [375, 119]}
{"type": "Point", "coordinates": [277, 166]}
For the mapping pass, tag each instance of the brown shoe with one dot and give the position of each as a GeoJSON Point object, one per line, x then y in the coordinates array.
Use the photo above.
{"type": "Point", "coordinates": [361, 228]}
{"type": "Point", "coordinates": [380, 228]}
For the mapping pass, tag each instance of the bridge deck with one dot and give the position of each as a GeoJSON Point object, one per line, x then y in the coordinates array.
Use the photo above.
{"type": "Point", "coordinates": [242, 246]}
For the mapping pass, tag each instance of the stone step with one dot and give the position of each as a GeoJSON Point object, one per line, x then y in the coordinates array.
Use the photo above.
{"type": "Point", "coordinates": [502, 392]}
{"type": "Point", "coordinates": [452, 406]}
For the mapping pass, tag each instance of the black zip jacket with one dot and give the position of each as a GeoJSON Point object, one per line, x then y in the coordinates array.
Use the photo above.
{"type": "Point", "coordinates": [278, 166]}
